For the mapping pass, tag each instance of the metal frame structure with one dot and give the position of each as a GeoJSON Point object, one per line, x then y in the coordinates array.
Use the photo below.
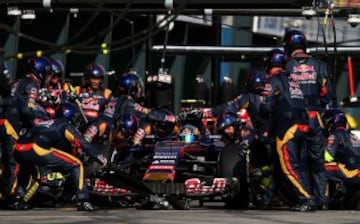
{"type": "Point", "coordinates": [215, 8]}
{"type": "Point", "coordinates": [158, 4]}
{"type": "Point", "coordinates": [192, 7]}
{"type": "Point", "coordinates": [250, 51]}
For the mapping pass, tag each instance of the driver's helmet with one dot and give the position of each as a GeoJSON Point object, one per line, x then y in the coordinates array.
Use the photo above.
{"type": "Point", "coordinates": [189, 133]}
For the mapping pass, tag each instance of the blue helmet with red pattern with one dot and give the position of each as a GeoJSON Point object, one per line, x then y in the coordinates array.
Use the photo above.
{"type": "Point", "coordinates": [275, 58]}
{"type": "Point", "coordinates": [334, 118]}
{"type": "Point", "coordinates": [294, 40]}
{"type": "Point", "coordinates": [227, 119]}
{"type": "Point", "coordinates": [57, 67]}
{"type": "Point", "coordinates": [71, 113]}
{"type": "Point", "coordinates": [256, 82]}
{"type": "Point", "coordinates": [40, 67]}
{"type": "Point", "coordinates": [130, 84]}
{"type": "Point", "coordinates": [129, 124]}
{"type": "Point", "coordinates": [93, 70]}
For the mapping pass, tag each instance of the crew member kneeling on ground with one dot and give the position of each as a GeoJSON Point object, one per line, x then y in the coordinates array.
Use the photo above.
{"type": "Point", "coordinates": [50, 143]}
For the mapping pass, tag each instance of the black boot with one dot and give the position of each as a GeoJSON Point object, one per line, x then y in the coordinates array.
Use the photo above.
{"type": "Point", "coordinates": [17, 203]}
{"type": "Point", "coordinates": [304, 207]}
{"type": "Point", "coordinates": [86, 206]}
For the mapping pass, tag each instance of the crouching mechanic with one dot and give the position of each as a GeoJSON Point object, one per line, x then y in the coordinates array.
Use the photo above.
{"type": "Point", "coordinates": [250, 100]}
{"type": "Point", "coordinates": [231, 130]}
{"type": "Point", "coordinates": [50, 143]}
{"type": "Point", "coordinates": [342, 151]}
{"type": "Point", "coordinates": [131, 88]}
{"type": "Point", "coordinates": [22, 112]}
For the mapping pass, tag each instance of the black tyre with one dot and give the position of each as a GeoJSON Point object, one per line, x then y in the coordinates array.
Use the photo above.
{"type": "Point", "coordinates": [352, 199]}
{"type": "Point", "coordinates": [232, 164]}
{"type": "Point", "coordinates": [179, 203]}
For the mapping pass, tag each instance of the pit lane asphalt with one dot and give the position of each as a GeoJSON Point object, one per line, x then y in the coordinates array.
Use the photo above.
{"type": "Point", "coordinates": [207, 215]}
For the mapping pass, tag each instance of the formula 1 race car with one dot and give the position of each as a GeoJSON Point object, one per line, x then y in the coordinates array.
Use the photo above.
{"type": "Point", "coordinates": [196, 167]}
{"type": "Point", "coordinates": [173, 170]}
{"type": "Point", "coordinates": [184, 171]}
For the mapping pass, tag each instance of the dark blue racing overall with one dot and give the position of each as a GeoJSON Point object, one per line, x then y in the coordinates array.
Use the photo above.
{"type": "Point", "coordinates": [23, 111]}
{"type": "Point", "coordinates": [52, 143]}
{"type": "Point", "coordinates": [342, 157]}
{"type": "Point", "coordinates": [312, 76]}
{"type": "Point", "coordinates": [285, 102]}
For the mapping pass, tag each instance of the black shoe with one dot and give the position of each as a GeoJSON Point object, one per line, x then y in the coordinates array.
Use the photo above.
{"type": "Point", "coordinates": [260, 202]}
{"type": "Point", "coordinates": [86, 206]}
{"type": "Point", "coordinates": [305, 207]}
{"type": "Point", "coordinates": [18, 204]}
{"type": "Point", "coordinates": [323, 207]}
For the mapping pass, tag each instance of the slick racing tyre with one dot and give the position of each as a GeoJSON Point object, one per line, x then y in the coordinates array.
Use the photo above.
{"type": "Point", "coordinates": [232, 164]}
{"type": "Point", "coordinates": [352, 199]}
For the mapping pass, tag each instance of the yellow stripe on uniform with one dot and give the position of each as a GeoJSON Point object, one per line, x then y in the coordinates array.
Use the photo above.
{"type": "Point", "coordinates": [81, 177]}
{"type": "Point", "coordinates": [75, 159]}
{"type": "Point", "coordinates": [10, 130]}
{"type": "Point", "coordinates": [107, 93]}
{"type": "Point", "coordinates": [102, 129]}
{"type": "Point", "coordinates": [42, 152]}
{"type": "Point", "coordinates": [346, 172]}
{"type": "Point", "coordinates": [331, 164]}
{"type": "Point", "coordinates": [320, 120]}
{"type": "Point", "coordinates": [279, 146]}
{"type": "Point", "coordinates": [13, 186]}
{"type": "Point", "coordinates": [351, 121]}
{"type": "Point", "coordinates": [69, 136]}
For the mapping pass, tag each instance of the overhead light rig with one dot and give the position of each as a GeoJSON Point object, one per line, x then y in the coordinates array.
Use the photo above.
{"type": "Point", "coordinates": [223, 7]}
{"type": "Point", "coordinates": [248, 51]}
{"type": "Point", "coordinates": [193, 7]}
{"type": "Point", "coordinates": [143, 4]}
